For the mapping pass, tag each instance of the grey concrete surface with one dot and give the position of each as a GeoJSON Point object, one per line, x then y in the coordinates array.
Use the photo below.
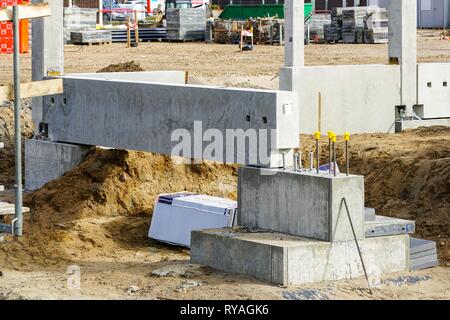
{"type": "Point", "coordinates": [154, 117]}
{"type": "Point", "coordinates": [46, 161]}
{"type": "Point", "coordinates": [301, 204]}
{"type": "Point", "coordinates": [169, 77]}
{"type": "Point", "coordinates": [386, 226]}
{"type": "Point", "coordinates": [291, 260]}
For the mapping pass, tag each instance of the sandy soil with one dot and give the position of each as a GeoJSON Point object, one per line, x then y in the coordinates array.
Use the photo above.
{"type": "Point", "coordinates": [96, 216]}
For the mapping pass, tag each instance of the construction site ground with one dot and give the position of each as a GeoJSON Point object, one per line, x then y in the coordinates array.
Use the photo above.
{"type": "Point", "coordinates": [96, 217]}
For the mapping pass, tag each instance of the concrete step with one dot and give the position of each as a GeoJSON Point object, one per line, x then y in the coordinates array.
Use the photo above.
{"type": "Point", "coordinates": [291, 260]}
{"type": "Point", "coordinates": [386, 226]}
{"type": "Point", "coordinates": [9, 209]}
{"type": "Point", "coordinates": [423, 254]}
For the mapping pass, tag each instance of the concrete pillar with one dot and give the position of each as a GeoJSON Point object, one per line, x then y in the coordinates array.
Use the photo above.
{"type": "Point", "coordinates": [294, 42]}
{"type": "Point", "coordinates": [47, 49]}
{"type": "Point", "coordinates": [403, 48]}
{"type": "Point", "coordinates": [46, 161]}
{"type": "Point", "coordinates": [295, 33]}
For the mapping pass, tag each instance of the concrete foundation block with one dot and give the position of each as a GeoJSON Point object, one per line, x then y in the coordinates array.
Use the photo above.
{"type": "Point", "coordinates": [291, 260]}
{"type": "Point", "coordinates": [45, 161]}
{"type": "Point", "coordinates": [301, 204]}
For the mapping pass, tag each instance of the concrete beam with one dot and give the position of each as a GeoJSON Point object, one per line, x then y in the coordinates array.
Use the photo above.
{"type": "Point", "coordinates": [144, 116]}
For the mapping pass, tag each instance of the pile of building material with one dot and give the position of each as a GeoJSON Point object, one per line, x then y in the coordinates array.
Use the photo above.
{"type": "Point", "coordinates": [186, 24]}
{"type": "Point", "coordinates": [317, 25]}
{"type": "Point", "coordinates": [352, 23]}
{"type": "Point", "coordinates": [268, 30]}
{"type": "Point", "coordinates": [361, 25]}
{"type": "Point", "coordinates": [91, 37]}
{"type": "Point", "coordinates": [333, 32]}
{"type": "Point", "coordinates": [376, 26]}
{"type": "Point", "coordinates": [78, 19]}
{"type": "Point", "coordinates": [229, 31]}
{"type": "Point", "coordinates": [423, 254]}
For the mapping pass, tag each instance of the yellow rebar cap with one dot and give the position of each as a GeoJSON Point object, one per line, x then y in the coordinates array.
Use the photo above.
{"type": "Point", "coordinates": [347, 136]}
{"type": "Point", "coordinates": [317, 135]}
{"type": "Point", "coordinates": [330, 134]}
{"type": "Point", "coordinates": [333, 138]}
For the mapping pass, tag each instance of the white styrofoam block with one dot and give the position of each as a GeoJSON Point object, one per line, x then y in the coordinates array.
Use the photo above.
{"type": "Point", "coordinates": [177, 215]}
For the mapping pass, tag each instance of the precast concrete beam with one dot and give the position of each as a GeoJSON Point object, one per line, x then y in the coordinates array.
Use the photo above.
{"type": "Point", "coordinates": [254, 127]}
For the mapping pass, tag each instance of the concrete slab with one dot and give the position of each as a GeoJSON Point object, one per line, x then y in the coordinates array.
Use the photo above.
{"type": "Point", "coordinates": [419, 245]}
{"type": "Point", "coordinates": [424, 262]}
{"type": "Point", "coordinates": [386, 226]}
{"type": "Point", "coordinates": [9, 209]}
{"type": "Point", "coordinates": [161, 117]}
{"type": "Point", "coordinates": [291, 260]}
{"type": "Point", "coordinates": [46, 161]}
{"type": "Point", "coordinates": [302, 204]}
{"type": "Point", "coordinates": [422, 254]}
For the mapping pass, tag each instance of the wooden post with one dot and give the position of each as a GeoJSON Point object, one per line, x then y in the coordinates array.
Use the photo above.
{"type": "Point", "coordinates": [136, 28]}
{"type": "Point", "coordinates": [319, 120]}
{"type": "Point", "coordinates": [242, 37]}
{"type": "Point", "coordinates": [128, 32]}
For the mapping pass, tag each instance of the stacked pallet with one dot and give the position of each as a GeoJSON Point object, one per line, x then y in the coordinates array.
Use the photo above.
{"type": "Point", "coordinates": [317, 25]}
{"type": "Point", "coordinates": [376, 26]}
{"type": "Point", "coordinates": [268, 30]}
{"type": "Point", "coordinates": [90, 37]}
{"type": "Point", "coordinates": [333, 32]}
{"type": "Point", "coordinates": [186, 24]}
{"type": "Point", "coordinates": [352, 22]}
{"type": "Point", "coordinates": [423, 254]}
{"type": "Point", "coordinates": [78, 19]}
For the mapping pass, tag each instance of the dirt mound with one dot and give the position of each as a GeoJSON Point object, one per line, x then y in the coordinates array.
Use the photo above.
{"type": "Point", "coordinates": [106, 203]}
{"type": "Point", "coordinates": [407, 176]}
{"type": "Point", "coordinates": [7, 136]}
{"type": "Point", "coordinates": [130, 66]}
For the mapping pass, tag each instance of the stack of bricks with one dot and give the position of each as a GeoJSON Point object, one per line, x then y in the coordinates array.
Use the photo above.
{"type": "Point", "coordinates": [6, 29]}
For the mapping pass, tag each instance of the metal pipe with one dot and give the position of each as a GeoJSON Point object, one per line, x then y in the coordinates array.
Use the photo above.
{"type": "Point", "coordinates": [318, 150]}
{"type": "Point", "coordinates": [334, 155]}
{"type": "Point", "coordinates": [300, 162]}
{"type": "Point", "coordinates": [347, 161]}
{"type": "Point", "coordinates": [330, 137]}
{"type": "Point", "coordinates": [17, 131]}
{"type": "Point", "coordinates": [284, 161]}
{"type": "Point", "coordinates": [311, 161]}
{"type": "Point", "coordinates": [295, 162]}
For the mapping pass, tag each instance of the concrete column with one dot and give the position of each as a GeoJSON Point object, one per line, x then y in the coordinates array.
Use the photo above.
{"type": "Point", "coordinates": [47, 49]}
{"type": "Point", "coordinates": [294, 42]}
{"type": "Point", "coordinates": [295, 33]}
{"type": "Point", "coordinates": [403, 48]}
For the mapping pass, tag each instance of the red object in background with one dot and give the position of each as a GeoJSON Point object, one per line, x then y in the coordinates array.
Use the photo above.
{"type": "Point", "coordinates": [6, 31]}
